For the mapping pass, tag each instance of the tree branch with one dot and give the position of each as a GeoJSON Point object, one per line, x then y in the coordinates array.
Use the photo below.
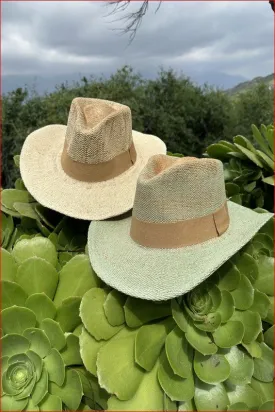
{"type": "Point", "coordinates": [133, 20]}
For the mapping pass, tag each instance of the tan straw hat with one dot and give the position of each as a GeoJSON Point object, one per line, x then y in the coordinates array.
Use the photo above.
{"type": "Point", "coordinates": [181, 231]}
{"type": "Point", "coordinates": [89, 168]}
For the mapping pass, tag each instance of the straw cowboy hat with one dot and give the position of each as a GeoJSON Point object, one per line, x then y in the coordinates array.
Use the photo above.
{"type": "Point", "coordinates": [181, 231]}
{"type": "Point", "coordinates": [89, 168]}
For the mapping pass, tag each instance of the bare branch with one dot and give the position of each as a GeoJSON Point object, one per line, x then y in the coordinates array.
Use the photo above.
{"type": "Point", "coordinates": [134, 19]}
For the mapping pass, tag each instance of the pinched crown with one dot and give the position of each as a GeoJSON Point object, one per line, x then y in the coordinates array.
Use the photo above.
{"type": "Point", "coordinates": [171, 189]}
{"type": "Point", "coordinates": [97, 130]}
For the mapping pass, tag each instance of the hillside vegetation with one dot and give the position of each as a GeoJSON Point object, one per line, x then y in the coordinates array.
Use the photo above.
{"type": "Point", "coordinates": [185, 116]}
{"type": "Point", "coordinates": [249, 85]}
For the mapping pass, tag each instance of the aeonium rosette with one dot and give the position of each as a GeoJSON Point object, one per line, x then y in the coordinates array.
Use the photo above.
{"type": "Point", "coordinates": [41, 364]}
{"type": "Point", "coordinates": [211, 349]}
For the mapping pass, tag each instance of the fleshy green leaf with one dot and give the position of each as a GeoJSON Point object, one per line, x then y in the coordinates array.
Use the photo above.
{"type": "Point", "coordinates": [51, 403]}
{"type": "Point", "coordinates": [16, 319]}
{"type": "Point", "coordinates": [263, 367]}
{"type": "Point", "coordinates": [8, 403]}
{"type": "Point", "coordinates": [252, 324]}
{"type": "Point", "coordinates": [148, 397]}
{"type": "Point", "coordinates": [70, 354]}
{"type": "Point", "coordinates": [269, 337]}
{"type": "Point", "coordinates": [254, 349]}
{"type": "Point", "coordinates": [260, 303]}
{"type": "Point", "coordinates": [54, 333]}
{"type": "Point", "coordinates": [177, 388]}
{"type": "Point", "coordinates": [229, 276]}
{"type": "Point", "coordinates": [113, 307]}
{"type": "Point", "coordinates": [138, 312]}
{"type": "Point", "coordinates": [11, 196]}
{"type": "Point", "coordinates": [250, 155]}
{"type": "Point", "coordinates": [210, 397]}
{"type": "Point", "coordinates": [265, 240]}
{"type": "Point", "coordinates": [14, 344]}
{"type": "Point", "coordinates": [200, 341]}
{"type": "Point", "coordinates": [89, 348]}
{"type": "Point", "coordinates": [245, 394]}
{"type": "Point", "coordinates": [55, 367]}
{"type": "Point", "coordinates": [113, 372]}
{"type": "Point", "coordinates": [93, 315]}
{"type": "Point", "coordinates": [42, 306]}
{"type": "Point", "coordinates": [39, 342]}
{"type": "Point", "coordinates": [226, 308]}
{"type": "Point", "coordinates": [229, 334]}
{"type": "Point", "coordinates": [267, 406]}
{"type": "Point", "coordinates": [265, 281]}
{"type": "Point", "coordinates": [264, 389]}
{"type": "Point", "coordinates": [186, 406]}
{"type": "Point", "coordinates": [36, 247]}
{"type": "Point", "coordinates": [179, 315]}
{"type": "Point", "coordinates": [244, 294]}
{"type": "Point", "coordinates": [68, 314]}
{"type": "Point", "coordinates": [149, 342]}
{"type": "Point", "coordinates": [41, 388]}
{"type": "Point", "coordinates": [247, 266]}
{"type": "Point", "coordinates": [94, 395]}
{"type": "Point", "coordinates": [211, 369]}
{"type": "Point", "coordinates": [241, 366]}
{"type": "Point", "coordinates": [210, 322]}
{"type": "Point", "coordinates": [8, 266]}
{"type": "Point", "coordinates": [72, 285]}
{"type": "Point", "coordinates": [71, 391]}
{"type": "Point", "coordinates": [36, 275]}
{"type": "Point", "coordinates": [12, 294]}
{"type": "Point", "coordinates": [239, 406]}
{"type": "Point", "coordinates": [179, 353]}
{"type": "Point", "coordinates": [270, 314]}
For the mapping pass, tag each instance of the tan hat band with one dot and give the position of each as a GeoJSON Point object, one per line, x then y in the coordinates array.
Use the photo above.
{"type": "Point", "coordinates": [98, 172]}
{"type": "Point", "coordinates": [182, 233]}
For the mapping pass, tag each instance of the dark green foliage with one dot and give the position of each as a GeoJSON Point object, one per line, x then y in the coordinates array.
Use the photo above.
{"type": "Point", "coordinates": [187, 117]}
{"type": "Point", "coordinates": [248, 167]}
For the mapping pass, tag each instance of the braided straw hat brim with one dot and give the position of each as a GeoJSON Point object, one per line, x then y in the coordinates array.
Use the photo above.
{"type": "Point", "coordinates": [162, 274]}
{"type": "Point", "coordinates": [46, 181]}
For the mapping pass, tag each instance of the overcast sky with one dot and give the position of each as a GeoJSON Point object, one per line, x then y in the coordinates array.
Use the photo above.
{"type": "Point", "coordinates": [68, 37]}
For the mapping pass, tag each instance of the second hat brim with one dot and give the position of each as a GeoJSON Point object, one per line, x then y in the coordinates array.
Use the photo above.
{"type": "Point", "coordinates": [162, 274]}
{"type": "Point", "coordinates": [46, 181]}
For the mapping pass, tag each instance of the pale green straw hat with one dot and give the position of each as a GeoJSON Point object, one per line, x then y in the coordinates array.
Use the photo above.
{"type": "Point", "coordinates": [181, 231]}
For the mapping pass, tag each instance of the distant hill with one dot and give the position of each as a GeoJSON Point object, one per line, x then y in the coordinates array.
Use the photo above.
{"type": "Point", "coordinates": [43, 83]}
{"type": "Point", "coordinates": [248, 85]}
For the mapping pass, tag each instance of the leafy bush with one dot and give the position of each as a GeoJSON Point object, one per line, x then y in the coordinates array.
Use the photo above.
{"type": "Point", "coordinates": [248, 167]}
{"type": "Point", "coordinates": [187, 117]}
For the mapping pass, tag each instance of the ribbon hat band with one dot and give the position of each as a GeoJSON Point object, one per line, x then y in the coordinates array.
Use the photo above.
{"type": "Point", "coordinates": [100, 172]}
{"type": "Point", "coordinates": [181, 233]}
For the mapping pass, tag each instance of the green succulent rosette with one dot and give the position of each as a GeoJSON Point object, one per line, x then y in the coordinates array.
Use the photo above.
{"type": "Point", "coordinates": [42, 369]}
{"type": "Point", "coordinates": [211, 349]}
{"type": "Point", "coordinates": [248, 167]}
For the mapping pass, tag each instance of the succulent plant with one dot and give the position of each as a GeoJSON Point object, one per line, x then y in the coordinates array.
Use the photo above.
{"type": "Point", "coordinates": [41, 364]}
{"type": "Point", "coordinates": [211, 349]}
{"type": "Point", "coordinates": [248, 167]}
{"type": "Point", "coordinates": [22, 216]}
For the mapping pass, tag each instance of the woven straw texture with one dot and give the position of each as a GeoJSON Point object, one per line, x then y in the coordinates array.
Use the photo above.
{"type": "Point", "coordinates": [43, 176]}
{"type": "Point", "coordinates": [97, 130]}
{"type": "Point", "coordinates": [161, 274]}
{"type": "Point", "coordinates": [171, 189]}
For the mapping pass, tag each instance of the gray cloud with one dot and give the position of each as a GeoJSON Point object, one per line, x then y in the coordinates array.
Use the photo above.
{"type": "Point", "coordinates": [65, 37]}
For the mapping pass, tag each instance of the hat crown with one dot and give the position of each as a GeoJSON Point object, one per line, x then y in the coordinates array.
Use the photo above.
{"type": "Point", "coordinates": [171, 189]}
{"type": "Point", "coordinates": [97, 130]}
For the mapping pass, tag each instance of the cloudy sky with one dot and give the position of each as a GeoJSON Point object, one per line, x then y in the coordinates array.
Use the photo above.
{"type": "Point", "coordinates": [42, 38]}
